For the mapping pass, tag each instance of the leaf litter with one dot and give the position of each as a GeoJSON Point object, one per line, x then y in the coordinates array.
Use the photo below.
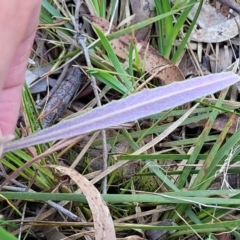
{"type": "Point", "coordinates": [213, 28]}
{"type": "Point", "coordinates": [103, 223]}
{"type": "Point", "coordinates": [152, 61]}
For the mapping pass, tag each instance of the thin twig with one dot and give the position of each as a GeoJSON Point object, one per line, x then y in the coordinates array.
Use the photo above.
{"type": "Point", "coordinates": [95, 90]}
{"type": "Point", "coordinates": [21, 223]}
{"type": "Point", "coordinates": [78, 4]}
{"type": "Point", "coordinates": [14, 181]}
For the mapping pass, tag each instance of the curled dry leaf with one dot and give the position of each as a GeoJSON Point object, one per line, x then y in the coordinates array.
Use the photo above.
{"type": "Point", "coordinates": [152, 61]}
{"type": "Point", "coordinates": [103, 223]}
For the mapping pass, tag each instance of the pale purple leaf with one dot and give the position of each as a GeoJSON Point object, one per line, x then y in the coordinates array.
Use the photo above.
{"type": "Point", "coordinates": [139, 105]}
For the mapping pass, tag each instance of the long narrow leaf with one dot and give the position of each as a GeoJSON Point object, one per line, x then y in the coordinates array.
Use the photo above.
{"type": "Point", "coordinates": [114, 59]}
{"type": "Point", "coordinates": [139, 105]}
{"type": "Point", "coordinates": [54, 12]}
{"type": "Point", "coordinates": [184, 41]}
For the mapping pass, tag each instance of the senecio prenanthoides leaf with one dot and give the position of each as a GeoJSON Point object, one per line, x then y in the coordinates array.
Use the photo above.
{"type": "Point", "coordinates": [135, 106]}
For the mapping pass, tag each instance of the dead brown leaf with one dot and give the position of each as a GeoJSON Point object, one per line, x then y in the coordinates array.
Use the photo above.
{"type": "Point", "coordinates": [223, 236]}
{"type": "Point", "coordinates": [219, 123]}
{"type": "Point", "coordinates": [208, 17]}
{"type": "Point", "coordinates": [217, 33]}
{"type": "Point", "coordinates": [103, 223]}
{"type": "Point", "coordinates": [143, 10]}
{"type": "Point", "coordinates": [153, 62]}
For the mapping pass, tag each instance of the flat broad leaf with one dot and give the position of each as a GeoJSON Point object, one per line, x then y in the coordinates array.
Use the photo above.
{"type": "Point", "coordinates": [135, 106]}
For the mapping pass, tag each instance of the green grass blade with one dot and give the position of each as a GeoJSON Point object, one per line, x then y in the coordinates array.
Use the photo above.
{"type": "Point", "coordinates": [142, 24]}
{"type": "Point", "coordinates": [128, 198]}
{"type": "Point", "coordinates": [179, 24]}
{"type": "Point", "coordinates": [160, 27]}
{"type": "Point", "coordinates": [102, 8]}
{"type": "Point", "coordinates": [209, 167]}
{"type": "Point", "coordinates": [168, 21]}
{"type": "Point", "coordinates": [114, 59]}
{"type": "Point", "coordinates": [185, 175]}
{"type": "Point", "coordinates": [201, 141]}
{"type": "Point", "coordinates": [184, 41]}
{"type": "Point", "coordinates": [130, 58]}
{"type": "Point", "coordinates": [159, 129]}
{"type": "Point", "coordinates": [53, 12]}
{"type": "Point", "coordinates": [223, 153]}
{"type": "Point", "coordinates": [110, 81]}
{"type": "Point", "coordinates": [96, 5]}
{"type": "Point", "coordinates": [6, 235]}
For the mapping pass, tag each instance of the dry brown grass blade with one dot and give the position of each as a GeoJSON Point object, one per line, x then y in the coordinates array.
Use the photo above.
{"type": "Point", "coordinates": [103, 223]}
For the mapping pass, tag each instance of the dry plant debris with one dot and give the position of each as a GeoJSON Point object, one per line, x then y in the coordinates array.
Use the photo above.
{"type": "Point", "coordinates": [103, 224]}
{"type": "Point", "coordinates": [213, 47]}
{"type": "Point", "coordinates": [152, 61]}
